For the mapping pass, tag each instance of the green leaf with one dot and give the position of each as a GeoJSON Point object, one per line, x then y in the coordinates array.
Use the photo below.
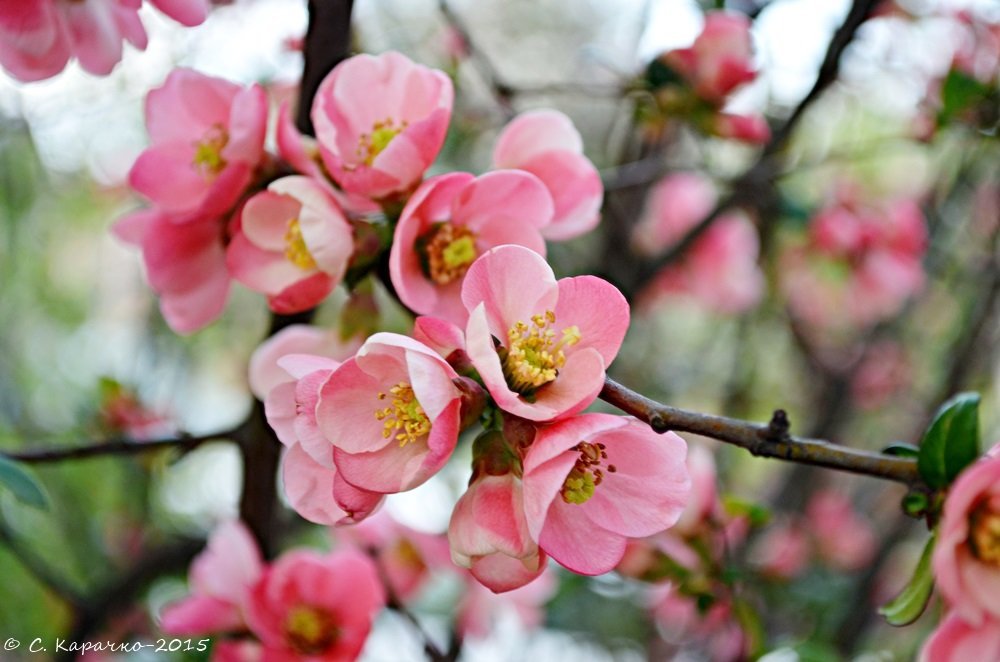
{"type": "Point", "coordinates": [912, 600]}
{"type": "Point", "coordinates": [958, 92]}
{"type": "Point", "coordinates": [951, 442]}
{"type": "Point", "coordinates": [22, 484]}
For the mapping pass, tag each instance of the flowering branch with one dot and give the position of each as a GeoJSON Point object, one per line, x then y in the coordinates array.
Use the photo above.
{"type": "Point", "coordinates": [770, 440]}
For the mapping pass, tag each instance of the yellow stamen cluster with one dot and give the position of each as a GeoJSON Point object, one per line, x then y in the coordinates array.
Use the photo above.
{"type": "Point", "coordinates": [586, 473]}
{"type": "Point", "coordinates": [208, 152]}
{"type": "Point", "coordinates": [371, 144]}
{"type": "Point", "coordinates": [984, 535]}
{"type": "Point", "coordinates": [310, 630]}
{"type": "Point", "coordinates": [295, 247]}
{"type": "Point", "coordinates": [450, 250]}
{"type": "Point", "coordinates": [405, 420]}
{"type": "Point", "coordinates": [533, 356]}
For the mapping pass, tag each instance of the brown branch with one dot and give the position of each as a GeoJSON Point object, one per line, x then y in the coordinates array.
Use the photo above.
{"type": "Point", "coordinates": [122, 446]}
{"type": "Point", "coordinates": [328, 41]}
{"type": "Point", "coordinates": [770, 440]}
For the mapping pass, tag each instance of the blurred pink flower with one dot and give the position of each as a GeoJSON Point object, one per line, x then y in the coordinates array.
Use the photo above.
{"type": "Point", "coordinates": [450, 221]}
{"type": "Point", "coordinates": [185, 265]}
{"type": "Point", "coordinates": [479, 608]}
{"type": "Point", "coordinates": [843, 538]}
{"type": "Point", "coordinates": [675, 205]}
{"type": "Point", "coordinates": [555, 338]}
{"type": "Point", "coordinates": [751, 129]}
{"type": "Point", "coordinates": [721, 58]}
{"type": "Point", "coordinates": [596, 480]}
{"type": "Point", "coordinates": [782, 551]}
{"type": "Point", "coordinates": [885, 369]}
{"type": "Point", "coordinates": [488, 534]}
{"type": "Point", "coordinates": [207, 138]}
{"type": "Point", "coordinates": [967, 555]}
{"type": "Point", "coordinates": [955, 640]}
{"type": "Point", "coordinates": [391, 413]}
{"type": "Point", "coordinates": [221, 578]}
{"type": "Point", "coordinates": [681, 621]}
{"type": "Point", "coordinates": [546, 144]}
{"type": "Point", "coordinates": [703, 504]}
{"type": "Point", "coordinates": [380, 122]}
{"type": "Point", "coordinates": [293, 244]}
{"type": "Point", "coordinates": [316, 607]}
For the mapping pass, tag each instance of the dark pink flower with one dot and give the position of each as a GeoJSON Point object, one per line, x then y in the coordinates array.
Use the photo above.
{"type": "Point", "coordinates": [380, 122]}
{"type": "Point", "coordinates": [185, 265]}
{"type": "Point", "coordinates": [555, 337]}
{"type": "Point", "coordinates": [453, 219]}
{"type": "Point", "coordinates": [392, 414]}
{"type": "Point", "coordinates": [293, 244]}
{"type": "Point", "coordinates": [207, 138]}
{"type": "Point", "coordinates": [546, 144]}
{"type": "Point", "coordinates": [955, 640]}
{"type": "Point", "coordinates": [720, 60]}
{"type": "Point", "coordinates": [596, 480]}
{"type": "Point", "coordinates": [316, 607]}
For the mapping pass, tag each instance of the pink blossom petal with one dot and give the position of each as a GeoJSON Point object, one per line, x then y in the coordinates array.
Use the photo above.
{"type": "Point", "coordinates": [185, 12]}
{"type": "Point", "coordinates": [513, 283]}
{"type": "Point", "coordinates": [502, 196]}
{"type": "Point", "coordinates": [533, 133]}
{"type": "Point", "coordinates": [598, 309]}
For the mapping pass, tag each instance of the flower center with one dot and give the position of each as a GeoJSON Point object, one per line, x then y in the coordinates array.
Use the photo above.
{"type": "Point", "coordinates": [371, 144]}
{"type": "Point", "coordinates": [984, 535]}
{"type": "Point", "coordinates": [407, 554]}
{"type": "Point", "coordinates": [533, 356]}
{"type": "Point", "coordinates": [449, 251]}
{"type": "Point", "coordinates": [295, 247]}
{"type": "Point", "coordinates": [310, 630]}
{"type": "Point", "coordinates": [208, 152]}
{"type": "Point", "coordinates": [586, 473]}
{"type": "Point", "coordinates": [404, 419]}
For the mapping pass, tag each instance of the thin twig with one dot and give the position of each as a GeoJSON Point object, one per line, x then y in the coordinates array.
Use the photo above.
{"type": "Point", "coordinates": [764, 440]}
{"type": "Point", "coordinates": [121, 446]}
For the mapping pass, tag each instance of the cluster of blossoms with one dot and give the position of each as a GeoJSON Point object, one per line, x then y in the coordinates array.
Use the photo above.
{"type": "Point", "coordinates": [966, 566]}
{"type": "Point", "coordinates": [858, 265]}
{"type": "Point", "coordinates": [720, 269]}
{"type": "Point", "coordinates": [39, 37]}
{"type": "Point", "coordinates": [500, 345]}
{"type": "Point", "coordinates": [695, 82]}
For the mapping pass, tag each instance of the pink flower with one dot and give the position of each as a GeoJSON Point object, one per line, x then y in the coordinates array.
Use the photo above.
{"type": "Point", "coordinates": [967, 555]}
{"type": "Point", "coordinates": [38, 37]}
{"type": "Point", "coordinates": [751, 129]}
{"type": "Point", "coordinates": [720, 270]}
{"type": "Point", "coordinates": [546, 144]}
{"type": "Point", "coordinates": [720, 59]}
{"type": "Point", "coordinates": [676, 204]}
{"type": "Point", "coordinates": [185, 265]}
{"type": "Point", "coordinates": [317, 607]}
{"type": "Point", "coordinates": [405, 557]}
{"type": "Point", "coordinates": [380, 121]}
{"type": "Point", "coordinates": [955, 640]}
{"type": "Point", "coordinates": [318, 492]}
{"type": "Point", "coordinates": [207, 138]}
{"type": "Point", "coordinates": [704, 502]}
{"type": "Point", "coordinates": [715, 630]}
{"type": "Point", "coordinates": [453, 219]}
{"type": "Point", "coordinates": [265, 373]}
{"type": "Point", "coordinates": [221, 579]}
{"type": "Point", "coordinates": [843, 538]}
{"type": "Point", "coordinates": [293, 244]}
{"type": "Point", "coordinates": [391, 413]}
{"type": "Point", "coordinates": [555, 338]}
{"type": "Point", "coordinates": [185, 12]}
{"type": "Point", "coordinates": [596, 480]}
{"type": "Point", "coordinates": [488, 534]}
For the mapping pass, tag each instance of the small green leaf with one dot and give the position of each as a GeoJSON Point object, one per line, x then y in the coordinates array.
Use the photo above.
{"type": "Point", "coordinates": [951, 442]}
{"type": "Point", "coordinates": [757, 514]}
{"type": "Point", "coordinates": [912, 600]}
{"type": "Point", "coordinates": [958, 92]}
{"type": "Point", "coordinates": [22, 484]}
{"type": "Point", "coordinates": [901, 449]}
{"type": "Point", "coordinates": [915, 504]}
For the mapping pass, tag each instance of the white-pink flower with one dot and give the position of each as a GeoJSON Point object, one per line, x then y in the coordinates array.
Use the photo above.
{"type": "Point", "coordinates": [453, 219]}
{"type": "Point", "coordinates": [546, 144]}
{"type": "Point", "coordinates": [207, 138]}
{"type": "Point", "coordinates": [720, 59]}
{"type": "Point", "coordinates": [541, 346]}
{"type": "Point", "coordinates": [596, 480]}
{"type": "Point", "coordinates": [392, 414]}
{"type": "Point", "coordinates": [293, 244]}
{"type": "Point", "coordinates": [380, 122]}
